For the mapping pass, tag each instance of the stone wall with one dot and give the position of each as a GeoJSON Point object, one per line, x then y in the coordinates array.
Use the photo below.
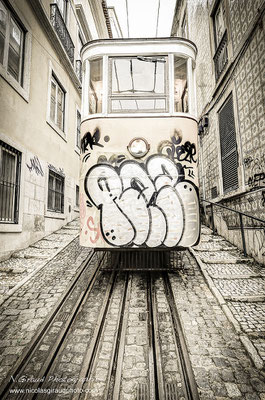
{"type": "Point", "coordinates": [244, 77]}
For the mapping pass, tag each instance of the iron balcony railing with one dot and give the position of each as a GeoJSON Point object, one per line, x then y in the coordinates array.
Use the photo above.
{"type": "Point", "coordinates": [78, 69]}
{"type": "Point", "coordinates": [221, 57]}
{"type": "Point", "coordinates": [241, 214]}
{"type": "Point", "coordinates": [62, 32]}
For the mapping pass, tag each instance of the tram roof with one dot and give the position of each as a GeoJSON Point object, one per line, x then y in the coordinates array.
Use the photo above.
{"type": "Point", "coordinates": [131, 46]}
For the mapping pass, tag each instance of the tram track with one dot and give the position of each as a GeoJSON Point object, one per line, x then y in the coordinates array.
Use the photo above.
{"type": "Point", "coordinates": [63, 312]}
{"type": "Point", "coordinates": [135, 345]}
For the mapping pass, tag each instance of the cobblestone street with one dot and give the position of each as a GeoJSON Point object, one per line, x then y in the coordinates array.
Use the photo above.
{"type": "Point", "coordinates": [220, 305]}
{"type": "Point", "coordinates": [239, 286]}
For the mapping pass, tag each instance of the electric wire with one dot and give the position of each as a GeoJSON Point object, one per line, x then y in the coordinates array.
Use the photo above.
{"type": "Point", "coordinates": [127, 12]}
{"type": "Point", "coordinates": [158, 11]}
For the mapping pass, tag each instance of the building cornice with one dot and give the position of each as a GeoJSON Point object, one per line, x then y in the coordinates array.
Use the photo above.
{"type": "Point", "coordinates": [106, 15]}
{"type": "Point", "coordinates": [83, 21]}
{"type": "Point", "coordinates": [99, 17]}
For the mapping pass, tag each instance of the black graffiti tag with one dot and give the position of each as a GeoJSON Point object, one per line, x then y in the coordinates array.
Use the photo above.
{"type": "Point", "coordinates": [35, 165]}
{"type": "Point", "coordinates": [89, 140]}
{"type": "Point", "coordinates": [186, 152]}
{"type": "Point", "coordinates": [257, 180]}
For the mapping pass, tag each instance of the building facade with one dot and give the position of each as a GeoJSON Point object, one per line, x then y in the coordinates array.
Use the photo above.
{"type": "Point", "coordinates": [40, 112]}
{"type": "Point", "coordinates": [230, 75]}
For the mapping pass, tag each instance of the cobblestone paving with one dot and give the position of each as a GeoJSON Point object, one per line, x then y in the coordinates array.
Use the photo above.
{"type": "Point", "coordinates": [24, 311]}
{"type": "Point", "coordinates": [240, 287]}
{"type": "Point", "coordinates": [135, 358]}
{"type": "Point", "coordinates": [169, 357]}
{"type": "Point", "coordinates": [219, 257]}
{"type": "Point", "coordinates": [236, 282]}
{"type": "Point", "coordinates": [25, 262]}
{"type": "Point", "coordinates": [223, 369]}
{"type": "Point", "coordinates": [227, 270]}
{"type": "Point", "coordinates": [250, 315]}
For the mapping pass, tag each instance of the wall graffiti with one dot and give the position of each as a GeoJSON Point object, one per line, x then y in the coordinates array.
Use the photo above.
{"type": "Point", "coordinates": [149, 204]}
{"type": "Point", "coordinates": [35, 166]}
{"type": "Point", "coordinates": [257, 180]}
{"type": "Point", "coordinates": [256, 171]}
{"type": "Point", "coordinates": [259, 240]}
{"type": "Point", "coordinates": [59, 171]}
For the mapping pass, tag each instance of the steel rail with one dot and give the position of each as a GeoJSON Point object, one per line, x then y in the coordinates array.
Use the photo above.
{"type": "Point", "coordinates": [115, 377]}
{"type": "Point", "coordinates": [28, 354]}
{"type": "Point", "coordinates": [112, 386]}
{"type": "Point", "coordinates": [154, 341]}
{"type": "Point", "coordinates": [190, 386]}
{"type": "Point", "coordinates": [94, 343]}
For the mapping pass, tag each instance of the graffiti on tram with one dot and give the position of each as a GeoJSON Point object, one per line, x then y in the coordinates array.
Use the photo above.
{"type": "Point", "coordinates": [144, 204]}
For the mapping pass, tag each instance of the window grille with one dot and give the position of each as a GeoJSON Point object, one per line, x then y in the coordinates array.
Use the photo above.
{"type": "Point", "coordinates": [220, 37]}
{"type": "Point", "coordinates": [228, 146]}
{"type": "Point", "coordinates": [214, 192]}
{"type": "Point", "coordinates": [10, 166]}
{"type": "Point", "coordinates": [77, 195]}
{"type": "Point", "coordinates": [78, 124]}
{"type": "Point", "coordinates": [78, 69]}
{"type": "Point", "coordinates": [12, 37]}
{"type": "Point", "coordinates": [55, 192]}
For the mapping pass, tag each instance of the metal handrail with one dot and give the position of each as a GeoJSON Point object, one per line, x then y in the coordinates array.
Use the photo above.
{"type": "Point", "coordinates": [241, 214]}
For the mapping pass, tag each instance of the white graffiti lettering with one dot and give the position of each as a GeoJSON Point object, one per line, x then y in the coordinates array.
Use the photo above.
{"type": "Point", "coordinates": [144, 205]}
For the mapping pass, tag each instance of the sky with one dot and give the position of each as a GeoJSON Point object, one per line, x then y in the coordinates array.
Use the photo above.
{"type": "Point", "coordinates": [146, 18]}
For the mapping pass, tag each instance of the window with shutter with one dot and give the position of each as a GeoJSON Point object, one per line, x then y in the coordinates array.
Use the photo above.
{"type": "Point", "coordinates": [229, 154]}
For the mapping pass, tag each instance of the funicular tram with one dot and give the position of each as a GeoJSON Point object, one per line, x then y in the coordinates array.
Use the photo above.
{"type": "Point", "coordinates": [139, 174]}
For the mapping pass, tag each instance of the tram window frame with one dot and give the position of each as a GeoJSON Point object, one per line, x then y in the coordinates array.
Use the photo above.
{"type": "Point", "coordinates": [95, 94]}
{"type": "Point", "coordinates": [183, 102]}
{"type": "Point", "coordinates": [139, 96]}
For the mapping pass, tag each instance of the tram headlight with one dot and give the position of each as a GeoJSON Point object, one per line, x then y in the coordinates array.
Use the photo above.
{"type": "Point", "coordinates": [138, 147]}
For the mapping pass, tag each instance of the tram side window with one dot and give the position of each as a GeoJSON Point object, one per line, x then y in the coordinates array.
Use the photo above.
{"type": "Point", "coordinates": [138, 84]}
{"type": "Point", "coordinates": [95, 86]}
{"type": "Point", "coordinates": [180, 85]}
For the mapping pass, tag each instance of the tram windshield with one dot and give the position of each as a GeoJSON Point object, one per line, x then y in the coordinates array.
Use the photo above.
{"type": "Point", "coordinates": [138, 78]}
{"type": "Point", "coordinates": [138, 84]}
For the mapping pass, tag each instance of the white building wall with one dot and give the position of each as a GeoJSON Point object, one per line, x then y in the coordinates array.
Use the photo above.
{"type": "Point", "coordinates": [25, 122]}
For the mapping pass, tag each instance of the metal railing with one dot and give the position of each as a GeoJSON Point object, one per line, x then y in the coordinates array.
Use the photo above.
{"type": "Point", "coordinates": [62, 32]}
{"type": "Point", "coordinates": [240, 213]}
{"type": "Point", "coordinates": [221, 57]}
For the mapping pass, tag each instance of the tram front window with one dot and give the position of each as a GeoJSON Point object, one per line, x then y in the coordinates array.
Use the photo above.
{"type": "Point", "coordinates": [95, 86]}
{"type": "Point", "coordinates": [180, 85]}
{"type": "Point", "coordinates": [138, 84]}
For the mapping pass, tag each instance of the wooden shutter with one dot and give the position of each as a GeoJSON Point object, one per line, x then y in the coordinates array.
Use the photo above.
{"type": "Point", "coordinates": [229, 154]}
